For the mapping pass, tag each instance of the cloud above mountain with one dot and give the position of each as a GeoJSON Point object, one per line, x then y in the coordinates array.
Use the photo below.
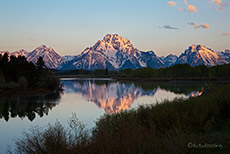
{"type": "Point", "coordinates": [185, 2]}
{"type": "Point", "coordinates": [196, 26]}
{"type": "Point", "coordinates": [169, 27]}
{"type": "Point", "coordinates": [187, 8]}
{"type": "Point", "coordinates": [220, 4]}
{"type": "Point", "coordinates": [172, 3]}
{"type": "Point", "coordinates": [191, 8]}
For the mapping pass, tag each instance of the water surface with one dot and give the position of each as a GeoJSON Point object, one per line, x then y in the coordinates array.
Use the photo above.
{"type": "Point", "coordinates": [89, 99]}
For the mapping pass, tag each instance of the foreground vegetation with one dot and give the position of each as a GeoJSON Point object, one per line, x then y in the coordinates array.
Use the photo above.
{"type": "Point", "coordinates": [195, 125]}
{"type": "Point", "coordinates": [17, 75]}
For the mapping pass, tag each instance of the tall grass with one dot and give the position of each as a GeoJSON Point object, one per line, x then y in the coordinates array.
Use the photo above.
{"type": "Point", "coordinates": [170, 127]}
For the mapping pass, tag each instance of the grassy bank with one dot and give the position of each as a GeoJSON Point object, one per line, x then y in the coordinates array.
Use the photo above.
{"type": "Point", "coordinates": [195, 125]}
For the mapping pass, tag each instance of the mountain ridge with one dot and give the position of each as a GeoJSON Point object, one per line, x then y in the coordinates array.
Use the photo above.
{"type": "Point", "coordinates": [200, 55]}
{"type": "Point", "coordinates": [115, 53]}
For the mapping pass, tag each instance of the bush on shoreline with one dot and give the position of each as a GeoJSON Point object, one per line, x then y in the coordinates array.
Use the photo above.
{"type": "Point", "coordinates": [171, 127]}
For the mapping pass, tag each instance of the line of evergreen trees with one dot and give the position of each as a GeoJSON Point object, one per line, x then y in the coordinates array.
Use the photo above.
{"type": "Point", "coordinates": [97, 72]}
{"type": "Point", "coordinates": [179, 71]}
{"type": "Point", "coordinates": [17, 72]}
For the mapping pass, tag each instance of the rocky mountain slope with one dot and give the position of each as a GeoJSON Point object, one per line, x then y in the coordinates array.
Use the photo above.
{"type": "Point", "coordinates": [169, 60]}
{"type": "Point", "coordinates": [50, 57]}
{"type": "Point", "coordinates": [114, 53]}
{"type": "Point", "coordinates": [200, 55]}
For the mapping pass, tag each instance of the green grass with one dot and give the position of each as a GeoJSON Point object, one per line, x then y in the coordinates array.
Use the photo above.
{"type": "Point", "coordinates": [170, 127]}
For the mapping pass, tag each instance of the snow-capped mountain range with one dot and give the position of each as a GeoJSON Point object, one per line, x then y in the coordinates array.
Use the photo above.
{"type": "Point", "coordinates": [50, 57]}
{"type": "Point", "coordinates": [115, 53]}
{"type": "Point", "coordinates": [200, 55]}
{"type": "Point", "coordinates": [169, 60]}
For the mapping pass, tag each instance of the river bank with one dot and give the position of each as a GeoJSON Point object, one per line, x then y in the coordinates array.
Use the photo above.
{"type": "Point", "coordinates": [118, 78]}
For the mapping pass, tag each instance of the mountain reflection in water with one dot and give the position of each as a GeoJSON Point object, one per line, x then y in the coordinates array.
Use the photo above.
{"type": "Point", "coordinates": [114, 96]}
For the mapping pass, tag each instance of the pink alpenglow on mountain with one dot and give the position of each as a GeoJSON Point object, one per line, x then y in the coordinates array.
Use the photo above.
{"type": "Point", "coordinates": [114, 53]}
{"type": "Point", "coordinates": [200, 55]}
{"type": "Point", "coordinates": [50, 57]}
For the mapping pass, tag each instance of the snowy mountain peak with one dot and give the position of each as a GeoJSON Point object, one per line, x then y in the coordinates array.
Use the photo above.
{"type": "Point", "coordinates": [108, 38]}
{"type": "Point", "coordinates": [169, 60]}
{"type": "Point", "coordinates": [21, 52]}
{"type": "Point", "coordinates": [194, 48]}
{"type": "Point", "coordinates": [225, 55]}
{"type": "Point", "coordinates": [112, 37]}
{"type": "Point", "coordinates": [227, 51]}
{"type": "Point", "coordinates": [200, 55]}
{"type": "Point", "coordinates": [114, 53]}
{"type": "Point", "coordinates": [41, 47]}
{"type": "Point", "coordinates": [197, 48]}
{"type": "Point", "coordinates": [110, 45]}
{"type": "Point", "coordinates": [50, 57]}
{"type": "Point", "coordinates": [116, 42]}
{"type": "Point", "coordinates": [44, 48]}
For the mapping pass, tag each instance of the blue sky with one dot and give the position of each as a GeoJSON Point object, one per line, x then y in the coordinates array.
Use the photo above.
{"type": "Point", "coordinates": [69, 26]}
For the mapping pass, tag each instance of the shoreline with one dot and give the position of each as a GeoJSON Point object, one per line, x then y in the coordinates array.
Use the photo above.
{"type": "Point", "coordinates": [27, 92]}
{"type": "Point", "coordinates": [143, 79]}
{"type": "Point", "coordinates": [169, 79]}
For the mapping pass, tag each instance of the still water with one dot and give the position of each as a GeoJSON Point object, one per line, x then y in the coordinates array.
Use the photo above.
{"type": "Point", "coordinates": [89, 99]}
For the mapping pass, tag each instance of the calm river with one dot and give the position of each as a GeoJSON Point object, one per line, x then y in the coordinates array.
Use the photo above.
{"type": "Point", "coordinates": [89, 99]}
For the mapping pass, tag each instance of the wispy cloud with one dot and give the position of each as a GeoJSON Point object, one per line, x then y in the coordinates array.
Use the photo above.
{"type": "Point", "coordinates": [188, 8]}
{"type": "Point", "coordinates": [221, 4]}
{"type": "Point", "coordinates": [172, 3]}
{"type": "Point", "coordinates": [225, 34]}
{"type": "Point", "coordinates": [206, 26]}
{"type": "Point", "coordinates": [186, 2]}
{"type": "Point", "coordinates": [169, 27]}
{"type": "Point", "coordinates": [182, 9]}
{"type": "Point", "coordinates": [193, 24]}
{"type": "Point", "coordinates": [196, 26]}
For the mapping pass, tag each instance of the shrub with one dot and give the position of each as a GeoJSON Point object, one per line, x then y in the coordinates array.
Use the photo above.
{"type": "Point", "coordinates": [54, 139]}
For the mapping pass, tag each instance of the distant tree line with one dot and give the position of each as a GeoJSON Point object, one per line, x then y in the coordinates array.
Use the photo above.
{"type": "Point", "coordinates": [97, 72]}
{"type": "Point", "coordinates": [179, 71]}
{"type": "Point", "coordinates": [17, 72]}
{"type": "Point", "coordinates": [175, 72]}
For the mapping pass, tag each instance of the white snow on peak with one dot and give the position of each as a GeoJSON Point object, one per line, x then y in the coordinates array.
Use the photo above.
{"type": "Point", "coordinates": [50, 57]}
{"type": "Point", "coordinates": [201, 55]}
